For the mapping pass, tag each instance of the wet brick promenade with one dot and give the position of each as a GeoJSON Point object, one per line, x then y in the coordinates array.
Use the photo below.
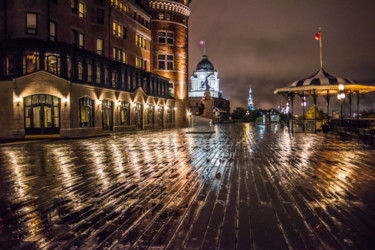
{"type": "Point", "coordinates": [244, 187]}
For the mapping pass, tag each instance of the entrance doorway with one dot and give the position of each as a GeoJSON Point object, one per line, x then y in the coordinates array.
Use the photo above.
{"type": "Point", "coordinates": [42, 115]}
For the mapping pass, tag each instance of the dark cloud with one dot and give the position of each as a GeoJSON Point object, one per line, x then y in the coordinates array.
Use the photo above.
{"type": "Point", "coordinates": [270, 44]}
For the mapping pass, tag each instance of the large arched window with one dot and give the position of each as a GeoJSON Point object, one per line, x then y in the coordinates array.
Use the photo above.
{"type": "Point", "coordinates": [125, 113]}
{"type": "Point", "coordinates": [150, 114]}
{"type": "Point", "coordinates": [138, 112]}
{"type": "Point", "coordinates": [107, 114]}
{"type": "Point", "coordinates": [42, 114]}
{"type": "Point", "coordinates": [87, 111]}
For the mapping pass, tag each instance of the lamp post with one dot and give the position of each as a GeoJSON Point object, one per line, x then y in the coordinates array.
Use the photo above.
{"type": "Point", "coordinates": [341, 97]}
{"type": "Point", "coordinates": [303, 104]}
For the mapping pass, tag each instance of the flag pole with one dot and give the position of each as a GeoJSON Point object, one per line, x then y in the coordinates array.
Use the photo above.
{"type": "Point", "coordinates": [321, 52]}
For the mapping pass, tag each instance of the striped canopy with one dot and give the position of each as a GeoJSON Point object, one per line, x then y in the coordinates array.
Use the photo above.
{"type": "Point", "coordinates": [323, 83]}
{"type": "Point", "coordinates": [322, 78]}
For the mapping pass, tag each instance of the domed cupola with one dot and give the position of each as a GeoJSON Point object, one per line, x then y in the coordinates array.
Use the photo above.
{"type": "Point", "coordinates": [204, 64]}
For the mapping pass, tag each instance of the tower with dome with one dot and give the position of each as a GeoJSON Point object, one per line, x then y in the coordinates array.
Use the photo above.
{"type": "Point", "coordinates": [206, 78]}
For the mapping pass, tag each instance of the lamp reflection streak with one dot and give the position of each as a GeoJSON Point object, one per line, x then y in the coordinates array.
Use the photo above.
{"type": "Point", "coordinates": [33, 223]}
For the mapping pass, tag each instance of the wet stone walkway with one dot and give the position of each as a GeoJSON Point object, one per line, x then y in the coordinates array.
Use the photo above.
{"type": "Point", "coordinates": [244, 187]}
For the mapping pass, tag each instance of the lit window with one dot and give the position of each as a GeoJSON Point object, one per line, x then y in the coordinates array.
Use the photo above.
{"type": "Point", "coordinates": [81, 10]}
{"type": "Point", "coordinates": [119, 55]}
{"type": "Point", "coordinates": [31, 23]}
{"type": "Point", "coordinates": [99, 46]}
{"type": "Point", "coordinates": [52, 63]}
{"type": "Point", "coordinates": [114, 53]}
{"type": "Point", "coordinates": [30, 62]}
{"type": "Point", "coordinates": [52, 31]}
{"type": "Point", "coordinates": [81, 42]}
{"type": "Point", "coordinates": [161, 15]}
{"type": "Point", "coordinates": [144, 43]}
{"type": "Point", "coordinates": [116, 29]}
{"type": "Point", "coordinates": [124, 57]}
{"type": "Point", "coordinates": [125, 9]}
{"type": "Point", "coordinates": [86, 107]}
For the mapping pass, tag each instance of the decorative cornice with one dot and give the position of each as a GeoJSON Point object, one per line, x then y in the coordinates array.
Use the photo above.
{"type": "Point", "coordinates": [170, 6]}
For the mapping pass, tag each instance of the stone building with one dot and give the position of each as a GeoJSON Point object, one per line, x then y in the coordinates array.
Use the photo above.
{"type": "Point", "coordinates": [205, 79]}
{"type": "Point", "coordinates": [84, 67]}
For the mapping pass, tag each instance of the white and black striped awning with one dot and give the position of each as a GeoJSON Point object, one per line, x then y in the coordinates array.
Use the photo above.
{"type": "Point", "coordinates": [321, 78]}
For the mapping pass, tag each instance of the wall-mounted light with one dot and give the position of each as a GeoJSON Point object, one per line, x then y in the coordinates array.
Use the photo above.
{"type": "Point", "coordinates": [167, 108]}
{"type": "Point", "coordinates": [189, 113]}
{"type": "Point", "coordinates": [118, 103]}
{"type": "Point", "coordinates": [18, 99]}
{"type": "Point", "coordinates": [146, 106]}
{"type": "Point", "coordinates": [65, 100]}
{"type": "Point", "coordinates": [175, 108]}
{"type": "Point", "coordinates": [99, 102]}
{"type": "Point", "coordinates": [134, 104]}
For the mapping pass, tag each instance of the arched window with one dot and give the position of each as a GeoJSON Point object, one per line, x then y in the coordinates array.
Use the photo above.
{"type": "Point", "coordinates": [107, 114]}
{"type": "Point", "coordinates": [87, 111]}
{"type": "Point", "coordinates": [125, 113]}
{"type": "Point", "coordinates": [150, 114]}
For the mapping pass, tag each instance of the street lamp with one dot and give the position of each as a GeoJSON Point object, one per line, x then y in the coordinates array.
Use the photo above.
{"type": "Point", "coordinates": [303, 104]}
{"type": "Point", "coordinates": [341, 97]}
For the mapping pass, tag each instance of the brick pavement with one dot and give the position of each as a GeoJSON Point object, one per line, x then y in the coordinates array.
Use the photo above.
{"type": "Point", "coordinates": [243, 187]}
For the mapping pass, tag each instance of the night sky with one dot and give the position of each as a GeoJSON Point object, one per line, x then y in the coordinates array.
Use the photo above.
{"type": "Point", "coordinates": [270, 43]}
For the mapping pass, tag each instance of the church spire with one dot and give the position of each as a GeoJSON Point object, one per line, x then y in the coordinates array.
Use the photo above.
{"type": "Point", "coordinates": [250, 103]}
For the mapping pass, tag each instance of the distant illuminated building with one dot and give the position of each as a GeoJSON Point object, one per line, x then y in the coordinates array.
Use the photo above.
{"type": "Point", "coordinates": [250, 104]}
{"type": "Point", "coordinates": [205, 77]}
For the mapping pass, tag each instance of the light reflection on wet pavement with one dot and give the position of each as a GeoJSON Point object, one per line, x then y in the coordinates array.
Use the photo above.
{"type": "Point", "coordinates": [242, 187]}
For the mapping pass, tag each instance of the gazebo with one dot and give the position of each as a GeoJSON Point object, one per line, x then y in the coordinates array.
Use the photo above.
{"type": "Point", "coordinates": [324, 84]}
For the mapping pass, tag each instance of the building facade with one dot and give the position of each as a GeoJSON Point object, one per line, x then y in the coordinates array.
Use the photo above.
{"type": "Point", "coordinates": [80, 67]}
{"type": "Point", "coordinates": [205, 78]}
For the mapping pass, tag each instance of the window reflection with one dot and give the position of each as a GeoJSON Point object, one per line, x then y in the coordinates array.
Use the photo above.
{"type": "Point", "coordinates": [52, 63]}
{"type": "Point", "coordinates": [30, 62]}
